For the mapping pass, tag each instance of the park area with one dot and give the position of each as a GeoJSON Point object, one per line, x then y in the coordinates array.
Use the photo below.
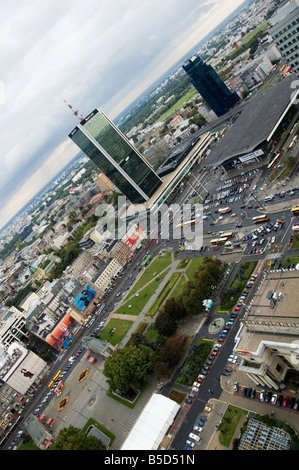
{"type": "Point", "coordinates": [144, 290]}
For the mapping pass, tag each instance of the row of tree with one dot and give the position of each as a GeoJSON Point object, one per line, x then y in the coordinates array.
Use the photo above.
{"type": "Point", "coordinates": [131, 366]}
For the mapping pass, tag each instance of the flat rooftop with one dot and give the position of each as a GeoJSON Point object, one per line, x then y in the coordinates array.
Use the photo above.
{"type": "Point", "coordinates": [171, 179]}
{"type": "Point", "coordinates": [284, 312]}
{"type": "Point", "coordinates": [255, 123]}
{"type": "Point", "coordinates": [286, 283]}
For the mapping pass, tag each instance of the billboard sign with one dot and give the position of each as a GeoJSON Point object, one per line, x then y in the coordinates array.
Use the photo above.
{"type": "Point", "coordinates": [28, 371]}
{"type": "Point", "coordinates": [84, 298]}
{"type": "Point", "coordinates": [134, 237]}
{"type": "Point", "coordinates": [61, 332]}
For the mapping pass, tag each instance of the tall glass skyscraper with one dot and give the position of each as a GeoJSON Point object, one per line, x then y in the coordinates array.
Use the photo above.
{"type": "Point", "coordinates": [113, 153]}
{"type": "Point", "coordinates": [211, 87]}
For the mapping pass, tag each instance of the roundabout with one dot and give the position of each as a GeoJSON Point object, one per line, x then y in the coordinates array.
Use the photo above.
{"type": "Point", "coordinates": [216, 325]}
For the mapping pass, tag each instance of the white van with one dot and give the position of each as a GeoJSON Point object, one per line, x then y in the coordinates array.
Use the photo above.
{"type": "Point", "coordinates": [194, 437]}
{"type": "Point", "coordinates": [269, 198]}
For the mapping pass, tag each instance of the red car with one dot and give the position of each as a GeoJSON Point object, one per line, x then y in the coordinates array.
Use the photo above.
{"type": "Point", "coordinates": [286, 401]}
{"type": "Point", "coordinates": [236, 309]}
{"type": "Point", "coordinates": [199, 381]}
{"type": "Point", "coordinates": [220, 340]}
{"type": "Point", "coordinates": [214, 353]}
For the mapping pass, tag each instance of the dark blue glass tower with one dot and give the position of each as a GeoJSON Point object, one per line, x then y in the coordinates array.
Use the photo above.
{"type": "Point", "coordinates": [210, 86]}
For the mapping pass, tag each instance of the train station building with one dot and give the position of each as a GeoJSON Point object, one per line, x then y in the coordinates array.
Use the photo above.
{"type": "Point", "coordinates": [266, 120]}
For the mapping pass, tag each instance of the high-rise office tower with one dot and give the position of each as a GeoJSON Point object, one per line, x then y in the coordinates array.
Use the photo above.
{"type": "Point", "coordinates": [285, 32]}
{"type": "Point", "coordinates": [113, 153]}
{"type": "Point", "coordinates": [210, 86]}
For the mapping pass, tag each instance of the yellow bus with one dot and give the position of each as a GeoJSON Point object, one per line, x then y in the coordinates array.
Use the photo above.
{"type": "Point", "coordinates": [219, 241]}
{"type": "Point", "coordinates": [295, 210]}
{"type": "Point", "coordinates": [224, 210]}
{"type": "Point", "coordinates": [260, 218]}
{"type": "Point", "coordinates": [222, 240]}
{"type": "Point", "coordinates": [228, 235]}
{"type": "Point", "coordinates": [189, 222]}
{"type": "Point", "coordinates": [274, 162]}
{"type": "Point", "coordinates": [55, 378]}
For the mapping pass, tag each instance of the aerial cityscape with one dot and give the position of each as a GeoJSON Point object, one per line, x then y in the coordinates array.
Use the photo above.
{"type": "Point", "coordinates": [149, 238]}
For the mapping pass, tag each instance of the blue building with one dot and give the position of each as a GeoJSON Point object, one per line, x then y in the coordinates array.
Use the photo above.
{"type": "Point", "coordinates": [210, 86]}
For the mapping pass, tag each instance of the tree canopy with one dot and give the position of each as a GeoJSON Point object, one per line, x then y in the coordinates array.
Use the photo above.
{"type": "Point", "coordinates": [129, 367]}
{"type": "Point", "coordinates": [72, 438]}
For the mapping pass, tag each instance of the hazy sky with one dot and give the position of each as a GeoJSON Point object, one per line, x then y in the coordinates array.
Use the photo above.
{"type": "Point", "coordinates": [92, 53]}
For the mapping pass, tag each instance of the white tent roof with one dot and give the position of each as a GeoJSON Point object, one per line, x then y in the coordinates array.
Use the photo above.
{"type": "Point", "coordinates": [152, 424]}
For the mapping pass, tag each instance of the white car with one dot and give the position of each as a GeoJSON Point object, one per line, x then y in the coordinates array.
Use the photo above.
{"type": "Point", "coordinates": [197, 428]}
{"type": "Point", "coordinates": [220, 217]}
{"type": "Point", "coordinates": [190, 443]}
{"type": "Point", "coordinates": [233, 214]}
{"type": "Point", "coordinates": [196, 384]}
{"type": "Point", "coordinates": [274, 398]}
{"type": "Point", "coordinates": [232, 359]}
{"type": "Point", "coordinates": [195, 389]}
{"type": "Point", "coordinates": [194, 437]}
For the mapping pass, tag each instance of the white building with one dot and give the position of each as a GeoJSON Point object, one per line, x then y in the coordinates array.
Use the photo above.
{"type": "Point", "coordinates": [285, 32]}
{"type": "Point", "coordinates": [107, 275]}
{"type": "Point", "coordinates": [152, 425]}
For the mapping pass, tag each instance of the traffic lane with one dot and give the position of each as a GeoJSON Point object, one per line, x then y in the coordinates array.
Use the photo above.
{"type": "Point", "coordinates": [74, 391]}
{"type": "Point", "coordinates": [210, 388]}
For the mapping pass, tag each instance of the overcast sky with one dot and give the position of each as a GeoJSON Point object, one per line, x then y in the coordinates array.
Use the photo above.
{"type": "Point", "coordinates": [92, 53]}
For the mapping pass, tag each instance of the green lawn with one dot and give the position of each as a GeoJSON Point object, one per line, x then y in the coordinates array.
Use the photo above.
{"type": "Point", "coordinates": [160, 263]}
{"type": "Point", "coordinates": [183, 263]}
{"type": "Point", "coordinates": [238, 284]}
{"type": "Point", "coordinates": [140, 299]}
{"type": "Point", "coordinates": [193, 267]}
{"type": "Point", "coordinates": [290, 260]}
{"type": "Point", "coordinates": [296, 243]}
{"type": "Point", "coordinates": [178, 288]}
{"type": "Point", "coordinates": [255, 32]}
{"type": "Point", "coordinates": [229, 424]}
{"type": "Point", "coordinates": [178, 105]}
{"type": "Point", "coordinates": [121, 328]}
{"type": "Point", "coordinates": [162, 296]}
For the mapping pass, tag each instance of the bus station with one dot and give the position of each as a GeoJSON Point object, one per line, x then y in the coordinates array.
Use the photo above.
{"type": "Point", "coordinates": [256, 132]}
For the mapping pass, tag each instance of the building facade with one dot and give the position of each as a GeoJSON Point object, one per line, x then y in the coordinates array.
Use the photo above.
{"type": "Point", "coordinates": [210, 86]}
{"type": "Point", "coordinates": [285, 32]}
{"type": "Point", "coordinates": [13, 328]}
{"type": "Point", "coordinates": [267, 341]}
{"type": "Point", "coordinates": [115, 156]}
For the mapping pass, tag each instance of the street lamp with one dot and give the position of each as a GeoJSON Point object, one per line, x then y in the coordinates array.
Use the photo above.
{"type": "Point", "coordinates": [260, 204]}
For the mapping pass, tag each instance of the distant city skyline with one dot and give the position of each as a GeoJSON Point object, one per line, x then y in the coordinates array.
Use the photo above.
{"type": "Point", "coordinates": [92, 54]}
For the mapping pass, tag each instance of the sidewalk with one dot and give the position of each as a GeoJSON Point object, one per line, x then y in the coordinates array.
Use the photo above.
{"type": "Point", "coordinates": [215, 444]}
{"type": "Point", "coordinates": [142, 318]}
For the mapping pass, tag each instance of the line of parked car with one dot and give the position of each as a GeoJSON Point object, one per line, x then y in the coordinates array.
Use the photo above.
{"type": "Point", "coordinates": [272, 398]}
